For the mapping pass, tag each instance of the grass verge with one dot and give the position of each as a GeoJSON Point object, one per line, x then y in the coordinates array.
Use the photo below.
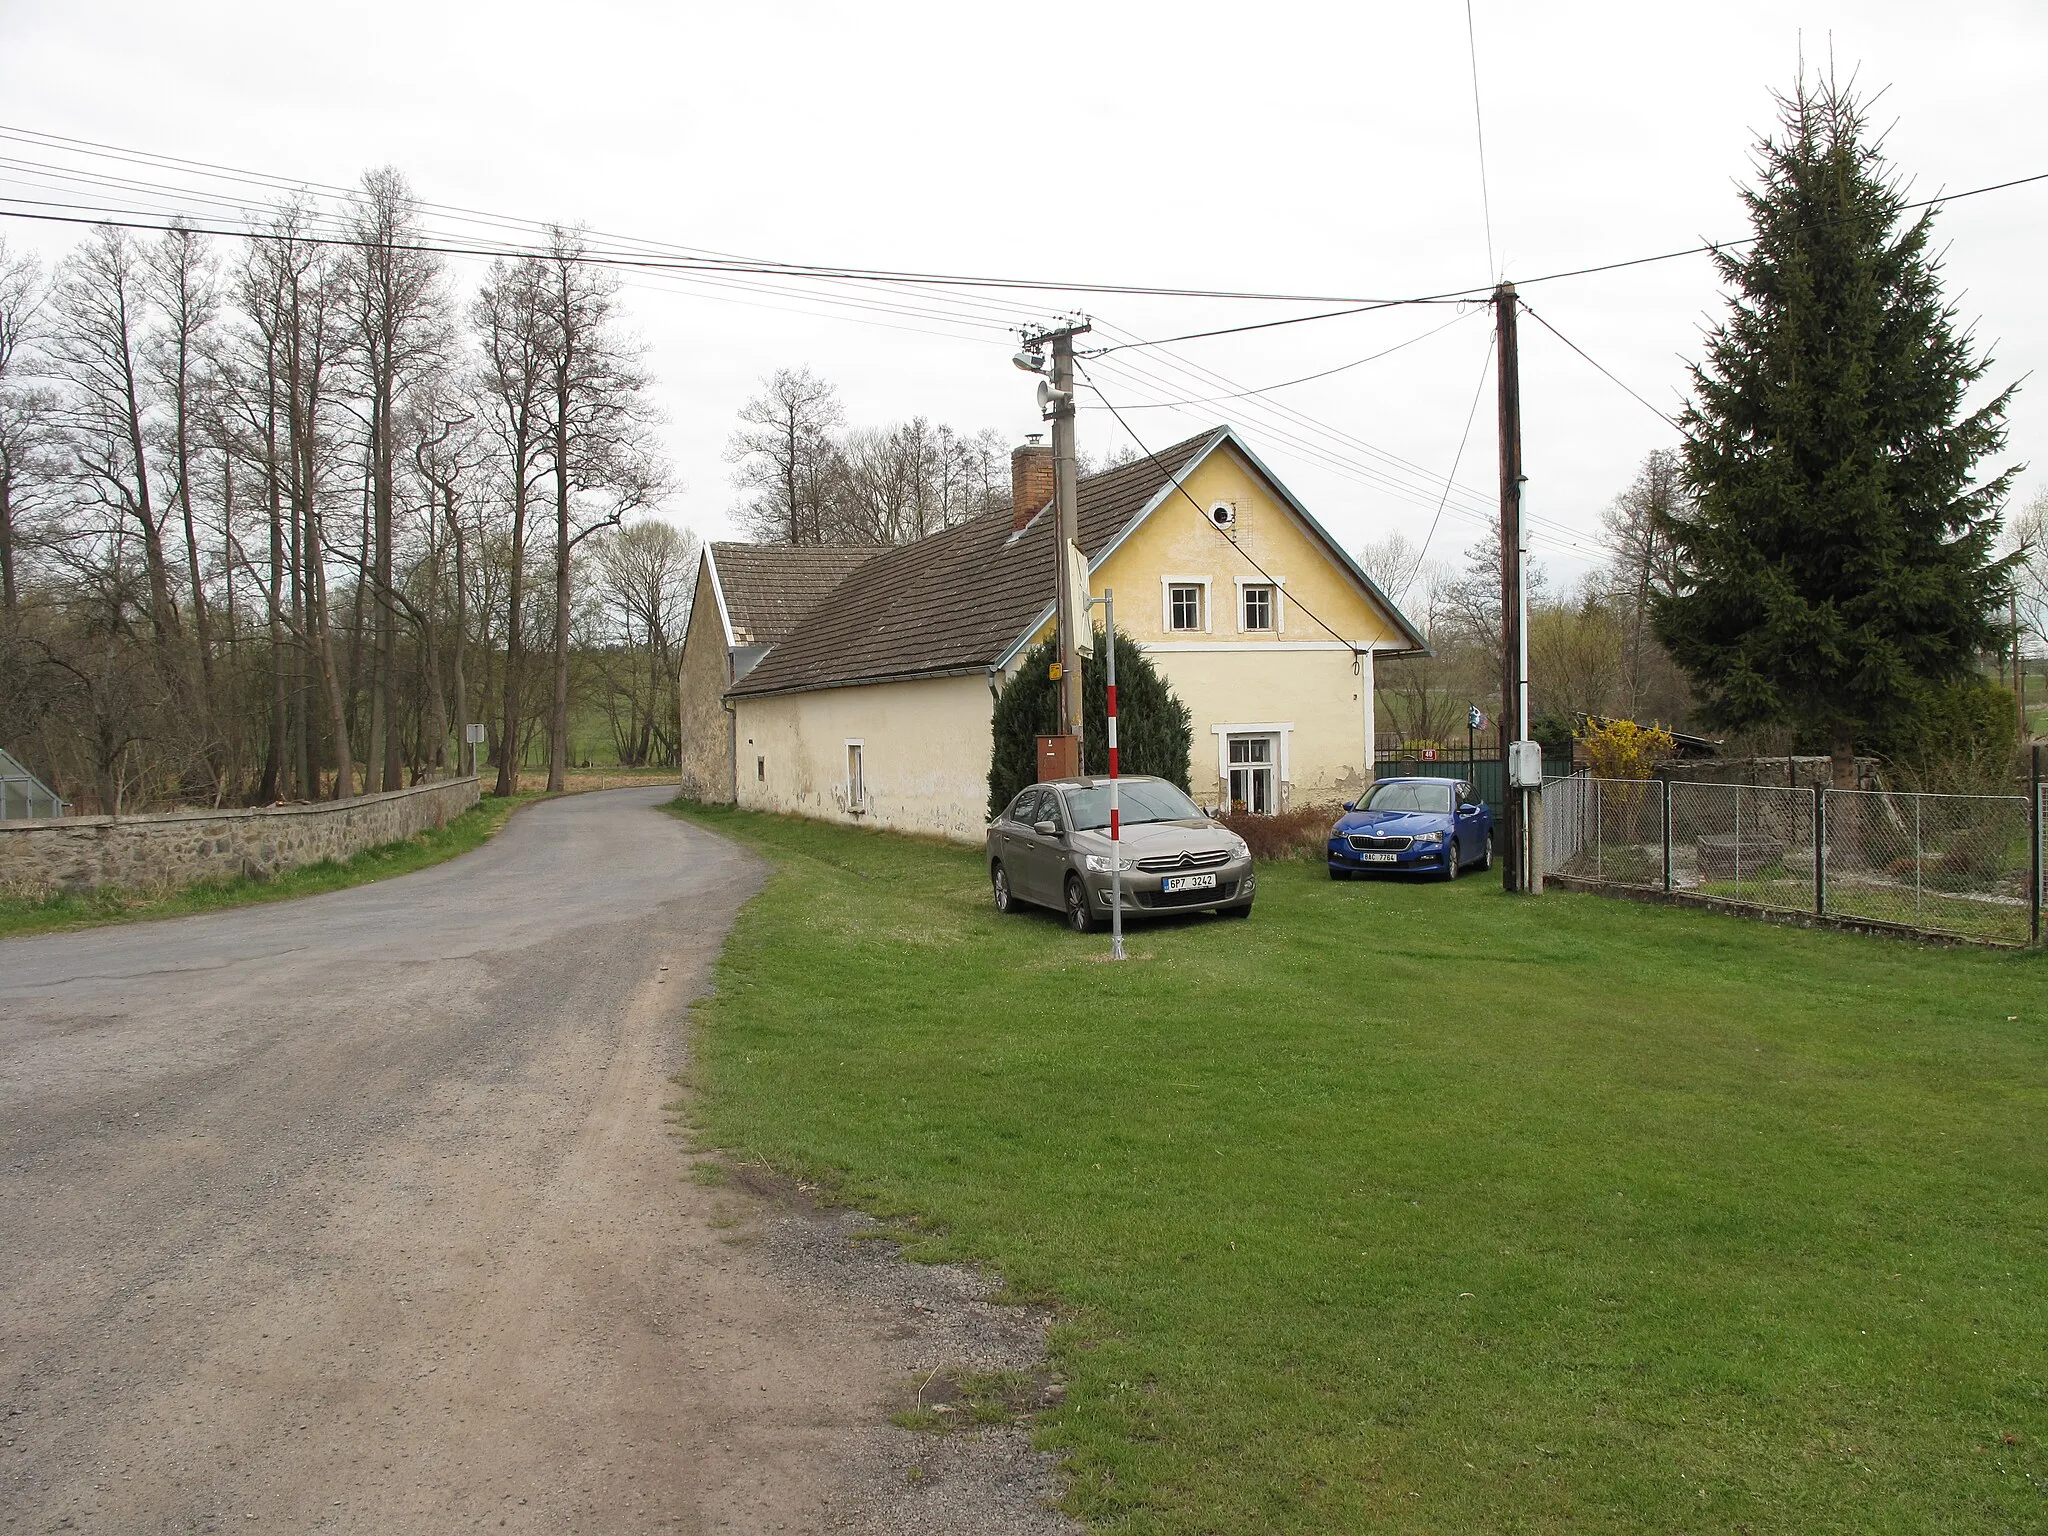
{"type": "Point", "coordinates": [50, 914]}
{"type": "Point", "coordinates": [1415, 1207]}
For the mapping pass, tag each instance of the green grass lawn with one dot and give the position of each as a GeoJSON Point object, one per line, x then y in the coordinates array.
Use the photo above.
{"type": "Point", "coordinates": [48, 914]}
{"type": "Point", "coordinates": [1423, 1208]}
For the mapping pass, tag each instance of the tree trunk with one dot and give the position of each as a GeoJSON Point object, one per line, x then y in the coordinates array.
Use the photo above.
{"type": "Point", "coordinates": [461, 631]}
{"type": "Point", "coordinates": [10, 600]}
{"type": "Point", "coordinates": [387, 768]}
{"type": "Point", "coordinates": [277, 767]}
{"type": "Point", "coordinates": [558, 717]}
{"type": "Point", "coordinates": [515, 651]}
{"type": "Point", "coordinates": [330, 677]}
{"type": "Point", "coordinates": [363, 649]}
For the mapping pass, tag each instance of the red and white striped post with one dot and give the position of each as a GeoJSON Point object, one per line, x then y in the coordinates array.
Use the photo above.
{"type": "Point", "coordinates": [1116, 846]}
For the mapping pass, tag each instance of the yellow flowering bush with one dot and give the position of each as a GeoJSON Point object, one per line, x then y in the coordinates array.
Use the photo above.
{"type": "Point", "coordinates": [1621, 749]}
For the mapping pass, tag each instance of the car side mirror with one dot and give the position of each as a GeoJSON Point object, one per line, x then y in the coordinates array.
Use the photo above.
{"type": "Point", "coordinates": [1350, 805]}
{"type": "Point", "coordinates": [1044, 828]}
{"type": "Point", "coordinates": [1468, 810]}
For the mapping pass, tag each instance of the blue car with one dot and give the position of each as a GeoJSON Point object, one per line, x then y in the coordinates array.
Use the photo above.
{"type": "Point", "coordinates": [1412, 826]}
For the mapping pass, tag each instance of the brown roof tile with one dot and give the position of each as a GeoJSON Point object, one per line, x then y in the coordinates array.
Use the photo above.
{"type": "Point", "coordinates": [769, 587]}
{"type": "Point", "coordinates": [956, 601]}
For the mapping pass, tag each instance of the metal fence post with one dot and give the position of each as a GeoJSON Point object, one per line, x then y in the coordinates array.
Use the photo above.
{"type": "Point", "coordinates": [1820, 850]}
{"type": "Point", "coordinates": [1667, 837]}
{"type": "Point", "coordinates": [2034, 822]}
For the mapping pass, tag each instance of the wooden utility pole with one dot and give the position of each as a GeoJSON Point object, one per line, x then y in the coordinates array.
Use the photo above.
{"type": "Point", "coordinates": [1056, 399]}
{"type": "Point", "coordinates": [1513, 727]}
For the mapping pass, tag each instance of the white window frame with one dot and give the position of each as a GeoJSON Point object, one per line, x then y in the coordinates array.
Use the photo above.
{"type": "Point", "coordinates": [1284, 729]}
{"type": "Point", "coordinates": [1279, 586]}
{"type": "Point", "coordinates": [856, 774]}
{"type": "Point", "coordinates": [1166, 586]}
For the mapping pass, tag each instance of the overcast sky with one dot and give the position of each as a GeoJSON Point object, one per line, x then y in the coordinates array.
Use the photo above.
{"type": "Point", "coordinates": [1315, 150]}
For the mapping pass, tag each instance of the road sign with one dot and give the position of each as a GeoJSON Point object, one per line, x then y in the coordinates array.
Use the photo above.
{"type": "Point", "coordinates": [473, 734]}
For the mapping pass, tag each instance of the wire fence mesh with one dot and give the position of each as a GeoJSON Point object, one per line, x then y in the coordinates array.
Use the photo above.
{"type": "Point", "coordinates": [1606, 830]}
{"type": "Point", "coordinates": [1957, 864]}
{"type": "Point", "coordinates": [1960, 865]}
{"type": "Point", "coordinates": [1744, 842]}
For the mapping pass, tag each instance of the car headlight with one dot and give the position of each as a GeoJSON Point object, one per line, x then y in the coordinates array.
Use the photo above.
{"type": "Point", "coordinates": [1428, 839]}
{"type": "Point", "coordinates": [1099, 863]}
{"type": "Point", "coordinates": [1244, 848]}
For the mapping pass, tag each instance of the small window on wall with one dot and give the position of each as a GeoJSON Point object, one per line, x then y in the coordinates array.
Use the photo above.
{"type": "Point", "coordinates": [1258, 608]}
{"type": "Point", "coordinates": [856, 784]}
{"type": "Point", "coordinates": [760, 770]}
{"type": "Point", "coordinates": [1185, 605]}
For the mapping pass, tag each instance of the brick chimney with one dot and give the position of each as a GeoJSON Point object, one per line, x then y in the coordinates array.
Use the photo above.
{"type": "Point", "coordinates": [1031, 479]}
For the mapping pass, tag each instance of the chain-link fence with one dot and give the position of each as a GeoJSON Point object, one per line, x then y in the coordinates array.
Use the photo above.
{"type": "Point", "coordinates": [1606, 830]}
{"type": "Point", "coordinates": [1963, 865]}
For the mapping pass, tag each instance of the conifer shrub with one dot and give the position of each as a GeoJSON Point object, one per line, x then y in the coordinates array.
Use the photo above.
{"type": "Point", "coordinates": [1154, 729]}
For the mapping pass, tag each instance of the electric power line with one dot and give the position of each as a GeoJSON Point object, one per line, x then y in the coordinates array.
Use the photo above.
{"type": "Point", "coordinates": [1306, 378]}
{"type": "Point", "coordinates": [1479, 133]}
{"type": "Point", "coordinates": [1560, 335]}
{"type": "Point", "coordinates": [1485, 367]}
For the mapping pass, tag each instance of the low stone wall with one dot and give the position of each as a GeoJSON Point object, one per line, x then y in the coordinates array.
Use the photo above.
{"type": "Point", "coordinates": [1765, 772]}
{"type": "Point", "coordinates": [80, 853]}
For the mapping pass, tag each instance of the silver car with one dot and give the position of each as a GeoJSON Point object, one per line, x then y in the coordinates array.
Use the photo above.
{"type": "Point", "coordinates": [1051, 847]}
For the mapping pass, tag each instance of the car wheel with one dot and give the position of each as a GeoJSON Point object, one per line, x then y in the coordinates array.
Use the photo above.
{"type": "Point", "coordinates": [1339, 874]}
{"type": "Point", "coordinates": [1486, 857]}
{"type": "Point", "coordinates": [1079, 918]}
{"type": "Point", "coordinates": [999, 878]}
{"type": "Point", "coordinates": [1450, 858]}
{"type": "Point", "coordinates": [1243, 911]}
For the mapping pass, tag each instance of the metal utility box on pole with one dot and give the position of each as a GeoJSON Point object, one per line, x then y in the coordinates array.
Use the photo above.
{"type": "Point", "coordinates": [1056, 404]}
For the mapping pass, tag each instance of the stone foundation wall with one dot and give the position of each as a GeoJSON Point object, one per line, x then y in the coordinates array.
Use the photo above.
{"type": "Point", "coordinates": [175, 848]}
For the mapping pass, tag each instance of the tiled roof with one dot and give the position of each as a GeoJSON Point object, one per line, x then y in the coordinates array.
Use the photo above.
{"type": "Point", "coordinates": [769, 587]}
{"type": "Point", "coordinates": [956, 601]}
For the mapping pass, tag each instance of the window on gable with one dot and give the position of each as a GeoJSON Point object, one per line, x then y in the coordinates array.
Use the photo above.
{"type": "Point", "coordinates": [856, 783]}
{"type": "Point", "coordinates": [1258, 608]}
{"type": "Point", "coordinates": [1185, 606]}
{"type": "Point", "coordinates": [760, 770]}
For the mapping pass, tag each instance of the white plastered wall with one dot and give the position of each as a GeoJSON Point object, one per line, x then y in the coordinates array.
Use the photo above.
{"type": "Point", "coordinates": [1322, 697]}
{"type": "Point", "coordinates": [924, 755]}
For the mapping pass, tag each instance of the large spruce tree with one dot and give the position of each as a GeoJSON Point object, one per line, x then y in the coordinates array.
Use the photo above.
{"type": "Point", "coordinates": [1836, 563]}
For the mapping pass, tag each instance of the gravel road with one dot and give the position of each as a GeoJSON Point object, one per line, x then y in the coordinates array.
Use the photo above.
{"type": "Point", "coordinates": [363, 1213]}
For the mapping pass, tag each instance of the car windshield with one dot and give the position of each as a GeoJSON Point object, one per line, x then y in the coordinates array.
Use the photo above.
{"type": "Point", "coordinates": [1137, 800]}
{"type": "Point", "coordinates": [1410, 797]}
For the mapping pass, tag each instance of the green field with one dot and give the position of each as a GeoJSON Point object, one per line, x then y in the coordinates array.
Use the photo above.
{"type": "Point", "coordinates": [53, 913]}
{"type": "Point", "coordinates": [1422, 1208]}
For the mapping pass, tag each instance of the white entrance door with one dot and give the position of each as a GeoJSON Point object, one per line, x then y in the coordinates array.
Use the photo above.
{"type": "Point", "coordinates": [1252, 767]}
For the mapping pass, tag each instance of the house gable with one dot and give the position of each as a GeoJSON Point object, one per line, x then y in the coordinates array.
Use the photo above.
{"type": "Point", "coordinates": [1318, 596]}
{"type": "Point", "coordinates": [1322, 596]}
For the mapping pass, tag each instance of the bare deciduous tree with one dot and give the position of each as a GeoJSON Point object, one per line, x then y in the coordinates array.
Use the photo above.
{"type": "Point", "coordinates": [594, 444]}
{"type": "Point", "coordinates": [786, 456]}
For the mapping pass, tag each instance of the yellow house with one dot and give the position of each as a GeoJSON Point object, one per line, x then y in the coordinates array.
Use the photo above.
{"type": "Point", "coordinates": [876, 706]}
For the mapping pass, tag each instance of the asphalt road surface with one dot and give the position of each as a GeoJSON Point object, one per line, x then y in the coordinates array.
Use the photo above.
{"type": "Point", "coordinates": [362, 1213]}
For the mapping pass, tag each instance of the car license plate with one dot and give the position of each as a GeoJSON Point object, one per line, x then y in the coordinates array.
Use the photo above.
{"type": "Point", "coordinates": [1174, 883]}
{"type": "Point", "coordinates": [1379, 858]}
